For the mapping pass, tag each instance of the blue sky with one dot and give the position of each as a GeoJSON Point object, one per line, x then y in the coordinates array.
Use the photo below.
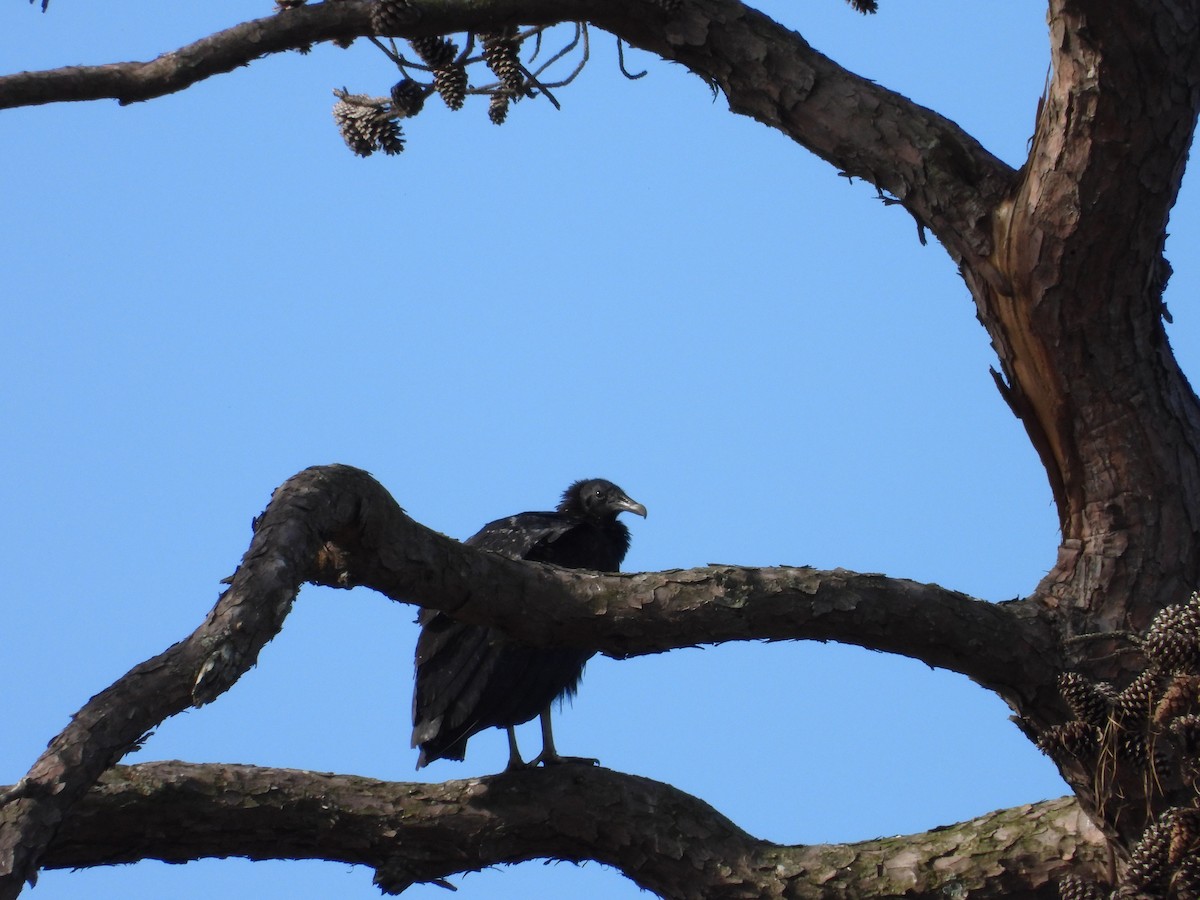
{"type": "Point", "coordinates": [207, 293]}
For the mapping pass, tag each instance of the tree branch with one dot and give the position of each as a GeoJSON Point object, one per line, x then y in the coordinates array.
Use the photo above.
{"type": "Point", "coordinates": [177, 70]}
{"type": "Point", "coordinates": [336, 525]}
{"type": "Point", "coordinates": [940, 173]}
{"type": "Point", "coordinates": [661, 838]}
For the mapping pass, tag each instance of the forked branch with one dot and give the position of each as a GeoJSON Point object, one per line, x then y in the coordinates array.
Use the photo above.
{"type": "Point", "coordinates": [336, 525]}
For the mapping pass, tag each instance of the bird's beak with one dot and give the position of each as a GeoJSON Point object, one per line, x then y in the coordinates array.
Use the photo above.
{"type": "Point", "coordinates": [627, 505]}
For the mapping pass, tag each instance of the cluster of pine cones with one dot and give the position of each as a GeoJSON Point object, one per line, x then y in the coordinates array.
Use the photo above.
{"type": "Point", "coordinates": [1163, 864]}
{"type": "Point", "coordinates": [369, 123]}
{"type": "Point", "coordinates": [1152, 728]}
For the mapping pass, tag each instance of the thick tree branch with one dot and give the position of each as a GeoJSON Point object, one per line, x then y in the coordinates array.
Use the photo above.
{"type": "Point", "coordinates": [661, 838]}
{"type": "Point", "coordinates": [941, 174]}
{"type": "Point", "coordinates": [336, 525]}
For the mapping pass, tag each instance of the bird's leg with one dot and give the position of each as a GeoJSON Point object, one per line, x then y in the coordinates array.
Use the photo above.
{"type": "Point", "coordinates": [514, 754]}
{"type": "Point", "coordinates": [549, 756]}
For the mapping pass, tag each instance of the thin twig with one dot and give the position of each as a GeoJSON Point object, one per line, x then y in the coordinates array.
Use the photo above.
{"type": "Point", "coordinates": [537, 43]}
{"type": "Point", "coordinates": [391, 53]}
{"type": "Point", "coordinates": [468, 45]}
{"type": "Point", "coordinates": [587, 52]}
{"type": "Point", "coordinates": [532, 81]}
{"type": "Point", "coordinates": [580, 30]}
{"type": "Point", "coordinates": [621, 63]}
{"type": "Point", "coordinates": [401, 62]}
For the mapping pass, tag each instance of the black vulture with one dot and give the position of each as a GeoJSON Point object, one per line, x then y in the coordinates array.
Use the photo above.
{"type": "Point", "coordinates": [471, 677]}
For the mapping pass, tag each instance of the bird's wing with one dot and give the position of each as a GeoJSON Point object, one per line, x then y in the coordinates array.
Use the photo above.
{"type": "Point", "coordinates": [520, 535]}
{"type": "Point", "coordinates": [453, 660]}
{"type": "Point", "coordinates": [470, 677]}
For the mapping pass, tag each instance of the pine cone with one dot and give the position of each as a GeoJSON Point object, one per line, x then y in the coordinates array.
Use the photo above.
{"type": "Point", "coordinates": [349, 118]}
{"type": "Point", "coordinates": [498, 108]}
{"type": "Point", "coordinates": [1185, 834]}
{"type": "Point", "coordinates": [1181, 696]}
{"type": "Point", "coordinates": [1133, 750]}
{"type": "Point", "coordinates": [1186, 882]}
{"type": "Point", "coordinates": [388, 15]}
{"type": "Point", "coordinates": [1072, 887]}
{"type": "Point", "coordinates": [1148, 862]}
{"type": "Point", "coordinates": [500, 54]}
{"type": "Point", "coordinates": [1189, 768]}
{"type": "Point", "coordinates": [1079, 739]}
{"type": "Point", "coordinates": [1172, 642]}
{"type": "Point", "coordinates": [451, 85]}
{"type": "Point", "coordinates": [449, 80]}
{"type": "Point", "coordinates": [1089, 701]}
{"type": "Point", "coordinates": [865, 6]}
{"type": "Point", "coordinates": [435, 52]}
{"type": "Point", "coordinates": [1162, 763]}
{"type": "Point", "coordinates": [390, 137]}
{"type": "Point", "coordinates": [408, 97]}
{"type": "Point", "coordinates": [366, 126]}
{"type": "Point", "coordinates": [1134, 706]}
{"type": "Point", "coordinates": [1187, 730]}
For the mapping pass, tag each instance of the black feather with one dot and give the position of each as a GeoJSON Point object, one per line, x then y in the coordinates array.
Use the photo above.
{"type": "Point", "coordinates": [470, 677]}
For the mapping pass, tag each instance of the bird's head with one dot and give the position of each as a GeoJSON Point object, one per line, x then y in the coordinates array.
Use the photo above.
{"type": "Point", "coordinates": [596, 498]}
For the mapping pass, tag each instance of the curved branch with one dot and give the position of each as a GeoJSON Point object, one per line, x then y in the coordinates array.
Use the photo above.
{"type": "Point", "coordinates": [336, 525]}
{"type": "Point", "coordinates": [940, 173]}
{"type": "Point", "coordinates": [663, 839]}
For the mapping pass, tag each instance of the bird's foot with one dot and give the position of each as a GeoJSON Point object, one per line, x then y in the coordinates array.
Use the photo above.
{"type": "Point", "coordinates": [516, 764]}
{"type": "Point", "coordinates": [553, 759]}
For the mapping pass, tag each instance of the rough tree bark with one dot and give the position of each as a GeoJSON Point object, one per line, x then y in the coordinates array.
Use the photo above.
{"type": "Point", "coordinates": [177, 812]}
{"type": "Point", "coordinates": [1063, 258]}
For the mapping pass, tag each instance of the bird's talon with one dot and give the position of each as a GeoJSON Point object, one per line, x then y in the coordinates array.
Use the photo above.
{"type": "Point", "coordinates": [556, 760]}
